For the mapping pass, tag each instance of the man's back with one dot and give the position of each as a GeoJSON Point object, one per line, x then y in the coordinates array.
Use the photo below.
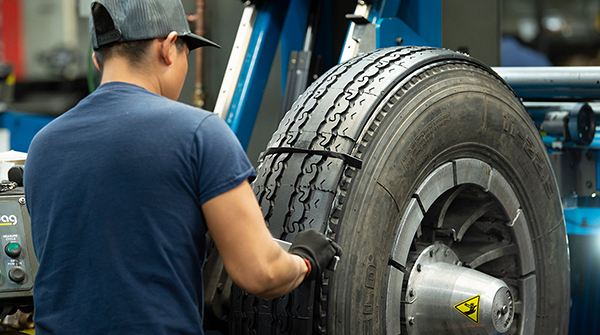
{"type": "Point", "coordinates": [115, 188]}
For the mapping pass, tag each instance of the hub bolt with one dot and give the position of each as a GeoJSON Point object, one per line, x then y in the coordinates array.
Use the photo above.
{"type": "Point", "coordinates": [411, 320]}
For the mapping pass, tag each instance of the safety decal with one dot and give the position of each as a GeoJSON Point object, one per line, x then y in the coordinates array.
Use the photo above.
{"type": "Point", "coordinates": [469, 308]}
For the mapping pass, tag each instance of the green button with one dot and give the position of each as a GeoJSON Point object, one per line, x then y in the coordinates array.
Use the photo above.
{"type": "Point", "coordinates": [13, 249]}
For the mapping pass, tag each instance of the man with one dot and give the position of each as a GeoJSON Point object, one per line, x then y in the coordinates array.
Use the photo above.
{"type": "Point", "coordinates": [123, 187]}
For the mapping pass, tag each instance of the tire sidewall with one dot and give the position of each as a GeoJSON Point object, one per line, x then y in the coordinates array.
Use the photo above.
{"type": "Point", "coordinates": [445, 112]}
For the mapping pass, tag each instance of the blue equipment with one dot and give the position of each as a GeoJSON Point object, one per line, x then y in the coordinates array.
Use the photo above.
{"type": "Point", "coordinates": [22, 127]}
{"type": "Point", "coordinates": [561, 101]}
{"type": "Point", "coordinates": [261, 29]}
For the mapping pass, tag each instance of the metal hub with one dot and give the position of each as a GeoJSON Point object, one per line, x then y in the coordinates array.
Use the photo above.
{"type": "Point", "coordinates": [444, 297]}
{"type": "Point", "coordinates": [470, 216]}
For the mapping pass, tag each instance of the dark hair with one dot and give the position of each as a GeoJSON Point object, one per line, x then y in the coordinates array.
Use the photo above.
{"type": "Point", "coordinates": [134, 51]}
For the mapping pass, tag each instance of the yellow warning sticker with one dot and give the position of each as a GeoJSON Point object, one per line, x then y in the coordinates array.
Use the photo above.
{"type": "Point", "coordinates": [469, 308]}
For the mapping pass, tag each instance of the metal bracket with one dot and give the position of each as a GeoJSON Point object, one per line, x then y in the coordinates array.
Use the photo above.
{"type": "Point", "coordinates": [575, 172]}
{"type": "Point", "coordinates": [236, 61]}
{"type": "Point", "coordinates": [351, 45]}
{"type": "Point", "coordinates": [365, 35]}
{"type": "Point", "coordinates": [256, 3]}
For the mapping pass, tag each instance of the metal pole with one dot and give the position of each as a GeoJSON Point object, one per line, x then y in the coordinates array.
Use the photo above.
{"type": "Point", "coordinates": [198, 19]}
{"type": "Point", "coordinates": [556, 83]}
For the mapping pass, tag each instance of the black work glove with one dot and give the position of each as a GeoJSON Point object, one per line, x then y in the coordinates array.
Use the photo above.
{"type": "Point", "coordinates": [316, 248]}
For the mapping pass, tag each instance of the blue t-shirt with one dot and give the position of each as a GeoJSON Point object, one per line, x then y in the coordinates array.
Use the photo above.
{"type": "Point", "coordinates": [114, 188]}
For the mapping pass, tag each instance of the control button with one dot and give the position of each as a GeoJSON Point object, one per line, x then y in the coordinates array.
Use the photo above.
{"type": "Point", "coordinates": [16, 274]}
{"type": "Point", "coordinates": [13, 249]}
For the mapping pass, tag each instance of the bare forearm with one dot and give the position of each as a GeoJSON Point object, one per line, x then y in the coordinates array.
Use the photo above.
{"type": "Point", "coordinates": [271, 273]}
{"type": "Point", "coordinates": [288, 274]}
{"type": "Point", "coordinates": [253, 260]}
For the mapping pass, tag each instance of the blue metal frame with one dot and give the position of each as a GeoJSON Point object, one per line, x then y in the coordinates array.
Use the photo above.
{"type": "Point", "coordinates": [418, 22]}
{"type": "Point", "coordinates": [255, 71]}
{"type": "Point", "coordinates": [292, 34]}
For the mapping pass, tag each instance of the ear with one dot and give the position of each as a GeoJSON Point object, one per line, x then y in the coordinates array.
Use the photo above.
{"type": "Point", "coordinates": [166, 46]}
{"type": "Point", "coordinates": [95, 60]}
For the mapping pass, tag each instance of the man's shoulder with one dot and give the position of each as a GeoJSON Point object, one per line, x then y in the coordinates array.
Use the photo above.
{"type": "Point", "coordinates": [119, 98]}
{"type": "Point", "coordinates": [127, 105]}
{"type": "Point", "coordinates": [178, 114]}
{"type": "Point", "coordinates": [146, 101]}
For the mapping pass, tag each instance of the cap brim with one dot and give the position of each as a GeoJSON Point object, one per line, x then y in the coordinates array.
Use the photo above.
{"type": "Point", "coordinates": [194, 41]}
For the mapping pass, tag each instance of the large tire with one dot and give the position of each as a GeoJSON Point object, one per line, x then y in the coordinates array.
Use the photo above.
{"type": "Point", "coordinates": [440, 136]}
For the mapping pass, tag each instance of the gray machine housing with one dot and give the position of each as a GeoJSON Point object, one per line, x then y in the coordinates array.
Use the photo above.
{"type": "Point", "coordinates": [17, 273]}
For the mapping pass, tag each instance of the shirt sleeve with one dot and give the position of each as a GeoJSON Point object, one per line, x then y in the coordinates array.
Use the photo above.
{"type": "Point", "coordinates": [222, 162]}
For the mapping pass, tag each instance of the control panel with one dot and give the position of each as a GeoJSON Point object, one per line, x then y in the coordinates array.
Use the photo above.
{"type": "Point", "coordinates": [18, 264]}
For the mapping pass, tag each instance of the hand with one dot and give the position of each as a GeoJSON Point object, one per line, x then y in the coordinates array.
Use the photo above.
{"type": "Point", "coordinates": [317, 248]}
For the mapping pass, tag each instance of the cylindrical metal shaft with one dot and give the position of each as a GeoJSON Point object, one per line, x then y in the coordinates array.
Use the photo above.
{"type": "Point", "coordinates": [568, 83]}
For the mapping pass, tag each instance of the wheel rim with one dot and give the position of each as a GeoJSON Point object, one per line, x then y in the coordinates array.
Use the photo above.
{"type": "Point", "coordinates": [470, 207]}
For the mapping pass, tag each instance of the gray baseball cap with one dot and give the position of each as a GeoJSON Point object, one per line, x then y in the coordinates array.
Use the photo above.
{"type": "Point", "coordinates": [135, 20]}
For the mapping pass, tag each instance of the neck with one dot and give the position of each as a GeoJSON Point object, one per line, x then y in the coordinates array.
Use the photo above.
{"type": "Point", "coordinates": [118, 69]}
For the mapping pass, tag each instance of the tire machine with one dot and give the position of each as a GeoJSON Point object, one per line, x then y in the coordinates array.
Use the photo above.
{"type": "Point", "coordinates": [561, 102]}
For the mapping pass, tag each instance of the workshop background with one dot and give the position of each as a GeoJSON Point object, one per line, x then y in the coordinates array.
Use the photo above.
{"type": "Point", "coordinates": [45, 70]}
{"type": "Point", "coordinates": [47, 43]}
